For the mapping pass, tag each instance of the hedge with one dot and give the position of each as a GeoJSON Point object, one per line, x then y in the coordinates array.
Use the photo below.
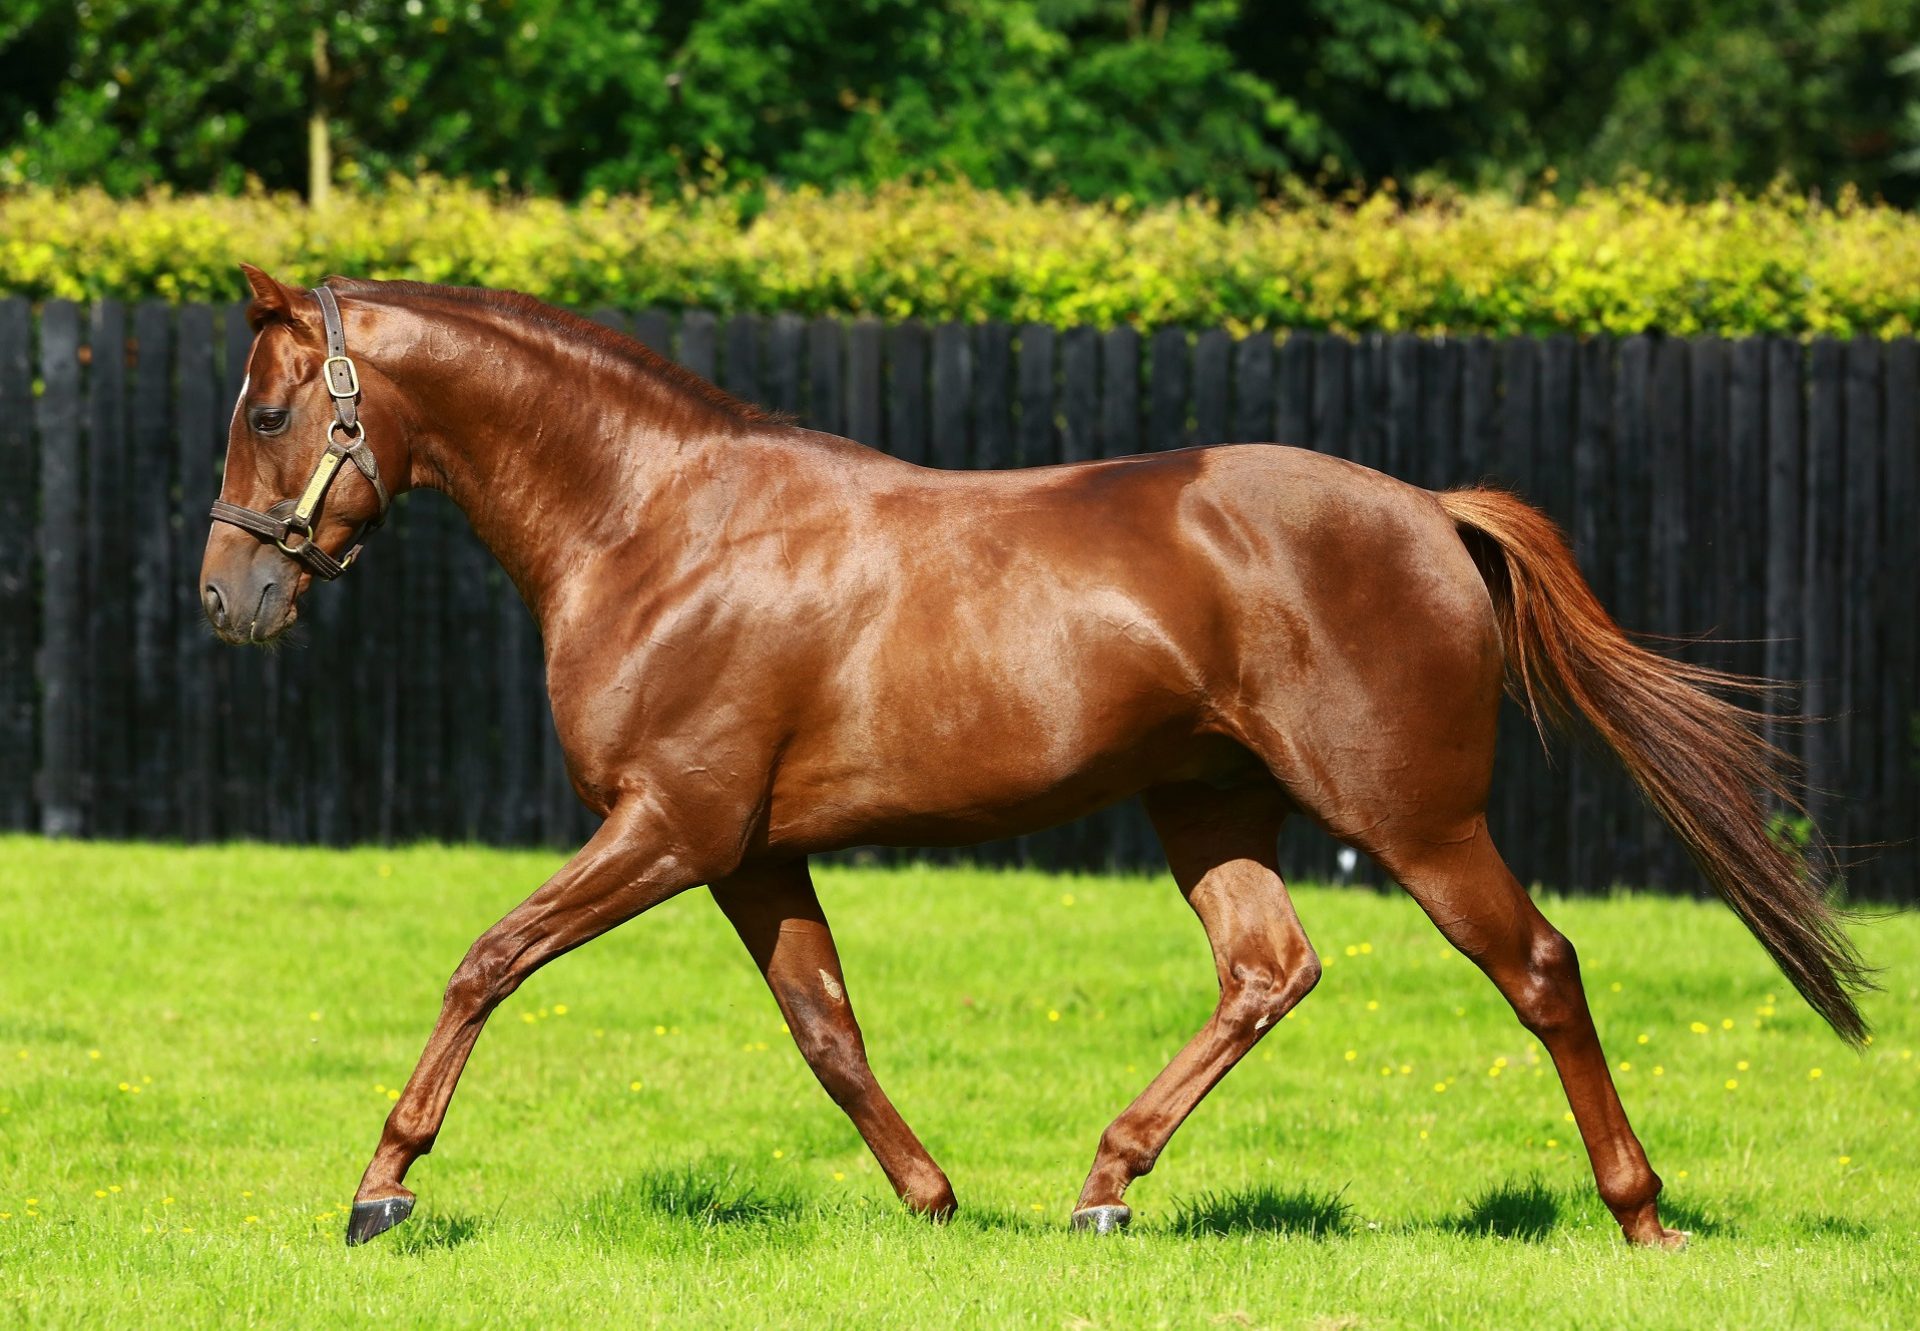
{"type": "Point", "coordinates": [1617, 260]}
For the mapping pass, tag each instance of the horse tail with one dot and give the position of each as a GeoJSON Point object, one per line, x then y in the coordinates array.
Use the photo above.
{"type": "Point", "coordinates": [1699, 758]}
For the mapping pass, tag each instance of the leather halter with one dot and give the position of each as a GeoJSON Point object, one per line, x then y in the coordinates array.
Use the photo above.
{"type": "Point", "coordinates": [346, 442]}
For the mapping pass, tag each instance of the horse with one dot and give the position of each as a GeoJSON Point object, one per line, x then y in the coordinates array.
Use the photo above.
{"type": "Point", "coordinates": [764, 643]}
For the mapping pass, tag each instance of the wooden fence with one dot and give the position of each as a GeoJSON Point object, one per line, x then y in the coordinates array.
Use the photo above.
{"type": "Point", "coordinates": [1763, 491]}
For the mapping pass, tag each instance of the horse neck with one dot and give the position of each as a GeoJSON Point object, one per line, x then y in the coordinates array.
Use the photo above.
{"type": "Point", "coordinates": [555, 448]}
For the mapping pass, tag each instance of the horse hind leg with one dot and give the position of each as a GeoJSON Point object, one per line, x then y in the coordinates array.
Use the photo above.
{"type": "Point", "coordinates": [1222, 848]}
{"type": "Point", "coordinates": [1467, 890]}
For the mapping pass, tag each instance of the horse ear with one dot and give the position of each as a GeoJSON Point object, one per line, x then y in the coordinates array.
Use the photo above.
{"type": "Point", "coordinates": [273, 301]}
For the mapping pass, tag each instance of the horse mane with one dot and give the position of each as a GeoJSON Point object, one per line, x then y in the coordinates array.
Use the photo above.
{"type": "Point", "coordinates": [611, 340]}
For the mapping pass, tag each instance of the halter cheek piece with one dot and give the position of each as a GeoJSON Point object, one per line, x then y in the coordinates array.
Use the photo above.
{"type": "Point", "coordinates": [346, 442]}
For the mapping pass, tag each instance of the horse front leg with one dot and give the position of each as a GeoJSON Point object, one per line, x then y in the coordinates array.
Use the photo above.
{"type": "Point", "coordinates": [775, 911]}
{"type": "Point", "coordinates": [631, 864]}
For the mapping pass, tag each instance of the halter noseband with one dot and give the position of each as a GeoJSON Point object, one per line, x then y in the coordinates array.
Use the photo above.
{"type": "Point", "coordinates": [294, 517]}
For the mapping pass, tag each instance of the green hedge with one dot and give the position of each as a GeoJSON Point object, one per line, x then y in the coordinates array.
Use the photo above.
{"type": "Point", "coordinates": [1618, 260]}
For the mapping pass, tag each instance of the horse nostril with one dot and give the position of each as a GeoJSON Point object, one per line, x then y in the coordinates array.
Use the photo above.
{"type": "Point", "coordinates": [216, 606]}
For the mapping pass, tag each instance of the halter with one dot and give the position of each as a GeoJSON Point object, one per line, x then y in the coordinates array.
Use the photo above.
{"type": "Point", "coordinates": [346, 441]}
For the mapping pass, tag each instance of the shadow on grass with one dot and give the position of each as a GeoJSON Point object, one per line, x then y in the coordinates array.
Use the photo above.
{"type": "Point", "coordinates": [1701, 1221]}
{"type": "Point", "coordinates": [431, 1233]}
{"type": "Point", "coordinates": [1300, 1212]}
{"type": "Point", "coordinates": [710, 1196]}
{"type": "Point", "coordinates": [1525, 1210]}
{"type": "Point", "coordinates": [1835, 1227]}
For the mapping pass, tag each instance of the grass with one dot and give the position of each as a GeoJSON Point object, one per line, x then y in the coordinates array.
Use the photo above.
{"type": "Point", "coordinates": [197, 1049]}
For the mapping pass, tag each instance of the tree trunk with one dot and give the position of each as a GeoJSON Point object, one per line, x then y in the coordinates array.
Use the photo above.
{"type": "Point", "coordinates": [319, 140]}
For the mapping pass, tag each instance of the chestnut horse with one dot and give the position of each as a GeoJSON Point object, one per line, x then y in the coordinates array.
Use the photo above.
{"type": "Point", "coordinates": [764, 642]}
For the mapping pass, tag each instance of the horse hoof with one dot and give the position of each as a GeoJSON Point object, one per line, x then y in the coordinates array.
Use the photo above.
{"type": "Point", "coordinates": [1102, 1219]}
{"type": "Point", "coordinates": [372, 1219]}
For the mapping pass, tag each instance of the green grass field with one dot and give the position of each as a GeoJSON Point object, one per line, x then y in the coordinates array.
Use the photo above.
{"type": "Point", "coordinates": [198, 1047]}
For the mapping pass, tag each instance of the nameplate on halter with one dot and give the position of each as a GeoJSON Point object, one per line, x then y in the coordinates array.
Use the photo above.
{"type": "Point", "coordinates": [317, 486]}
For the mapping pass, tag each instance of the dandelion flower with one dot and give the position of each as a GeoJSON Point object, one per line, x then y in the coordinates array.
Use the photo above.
{"type": "Point", "coordinates": [93, 1053]}
{"type": "Point", "coordinates": [166, 1201]}
{"type": "Point", "coordinates": [779, 1155]}
{"type": "Point", "coordinates": [1733, 1083]}
{"type": "Point", "coordinates": [1741, 1066]}
{"type": "Point", "coordinates": [1846, 1159]}
{"type": "Point", "coordinates": [1698, 1027]}
{"type": "Point", "coordinates": [1726, 1023]}
{"type": "Point", "coordinates": [1352, 951]}
{"type": "Point", "coordinates": [839, 1177]}
{"type": "Point", "coordinates": [1066, 898]}
{"type": "Point", "coordinates": [659, 1030]}
{"type": "Point", "coordinates": [1614, 987]}
{"type": "Point", "coordinates": [313, 1016]}
{"type": "Point", "coordinates": [1553, 1143]}
{"type": "Point", "coordinates": [1352, 1054]}
{"type": "Point", "coordinates": [1373, 1005]}
{"type": "Point", "coordinates": [113, 1187]}
{"type": "Point", "coordinates": [393, 1095]}
{"type": "Point", "coordinates": [1053, 1015]}
{"type": "Point", "coordinates": [1439, 1087]}
{"type": "Point", "coordinates": [559, 1009]}
{"type": "Point", "coordinates": [1813, 1074]}
{"type": "Point", "coordinates": [99, 1192]}
{"type": "Point", "coordinates": [1625, 1066]}
{"type": "Point", "coordinates": [251, 1220]}
{"type": "Point", "coordinates": [1642, 1039]}
{"type": "Point", "coordinates": [1366, 949]}
{"type": "Point", "coordinates": [633, 1085]}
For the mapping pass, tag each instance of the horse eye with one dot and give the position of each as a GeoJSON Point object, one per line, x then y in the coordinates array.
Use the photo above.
{"type": "Point", "coordinates": [269, 420]}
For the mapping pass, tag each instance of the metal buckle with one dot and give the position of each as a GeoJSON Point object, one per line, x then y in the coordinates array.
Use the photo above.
{"type": "Point", "coordinates": [292, 524]}
{"type": "Point", "coordinates": [353, 377]}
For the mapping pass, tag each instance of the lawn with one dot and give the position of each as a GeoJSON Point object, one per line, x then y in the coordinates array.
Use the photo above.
{"type": "Point", "coordinates": [199, 1045]}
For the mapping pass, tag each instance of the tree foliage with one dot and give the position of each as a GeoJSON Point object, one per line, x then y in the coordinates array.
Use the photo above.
{"type": "Point", "coordinates": [1094, 98]}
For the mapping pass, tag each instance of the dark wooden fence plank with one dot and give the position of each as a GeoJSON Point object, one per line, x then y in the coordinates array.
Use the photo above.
{"type": "Point", "coordinates": [200, 440]}
{"type": "Point", "coordinates": [1821, 579]}
{"type": "Point", "coordinates": [109, 524]}
{"type": "Point", "coordinates": [1479, 411]}
{"type": "Point", "coordinates": [785, 376]}
{"type": "Point", "coordinates": [826, 409]}
{"type": "Point", "coordinates": [1168, 362]}
{"type": "Point", "coordinates": [1593, 830]}
{"type": "Point", "coordinates": [1898, 707]}
{"type": "Point", "coordinates": [1743, 506]}
{"type": "Point", "coordinates": [1785, 560]}
{"type": "Point", "coordinates": [697, 332]}
{"type": "Point", "coordinates": [1632, 502]}
{"type": "Point", "coordinates": [907, 391]}
{"type": "Point", "coordinates": [1212, 390]}
{"type": "Point", "coordinates": [866, 383]}
{"type": "Point", "coordinates": [1079, 394]}
{"type": "Point", "coordinates": [155, 754]}
{"type": "Point", "coordinates": [1518, 760]}
{"type": "Point", "coordinates": [1860, 723]}
{"type": "Point", "coordinates": [1037, 437]}
{"type": "Point", "coordinates": [523, 715]}
{"type": "Point", "coordinates": [1332, 369]}
{"type": "Point", "coordinates": [1668, 535]}
{"type": "Point", "coordinates": [472, 697]}
{"type": "Point", "coordinates": [1436, 455]}
{"type": "Point", "coordinates": [992, 398]}
{"type": "Point", "coordinates": [1119, 392]}
{"type": "Point", "coordinates": [740, 366]}
{"type": "Point", "coordinates": [1253, 389]}
{"type": "Point", "coordinates": [63, 623]}
{"type": "Point", "coordinates": [19, 521]}
{"type": "Point", "coordinates": [952, 392]}
{"type": "Point", "coordinates": [654, 330]}
{"type": "Point", "coordinates": [1402, 420]}
{"type": "Point", "coordinates": [1293, 392]}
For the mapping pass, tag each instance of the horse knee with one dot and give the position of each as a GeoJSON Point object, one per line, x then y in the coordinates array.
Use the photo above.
{"type": "Point", "coordinates": [483, 978]}
{"type": "Point", "coordinates": [1548, 998]}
